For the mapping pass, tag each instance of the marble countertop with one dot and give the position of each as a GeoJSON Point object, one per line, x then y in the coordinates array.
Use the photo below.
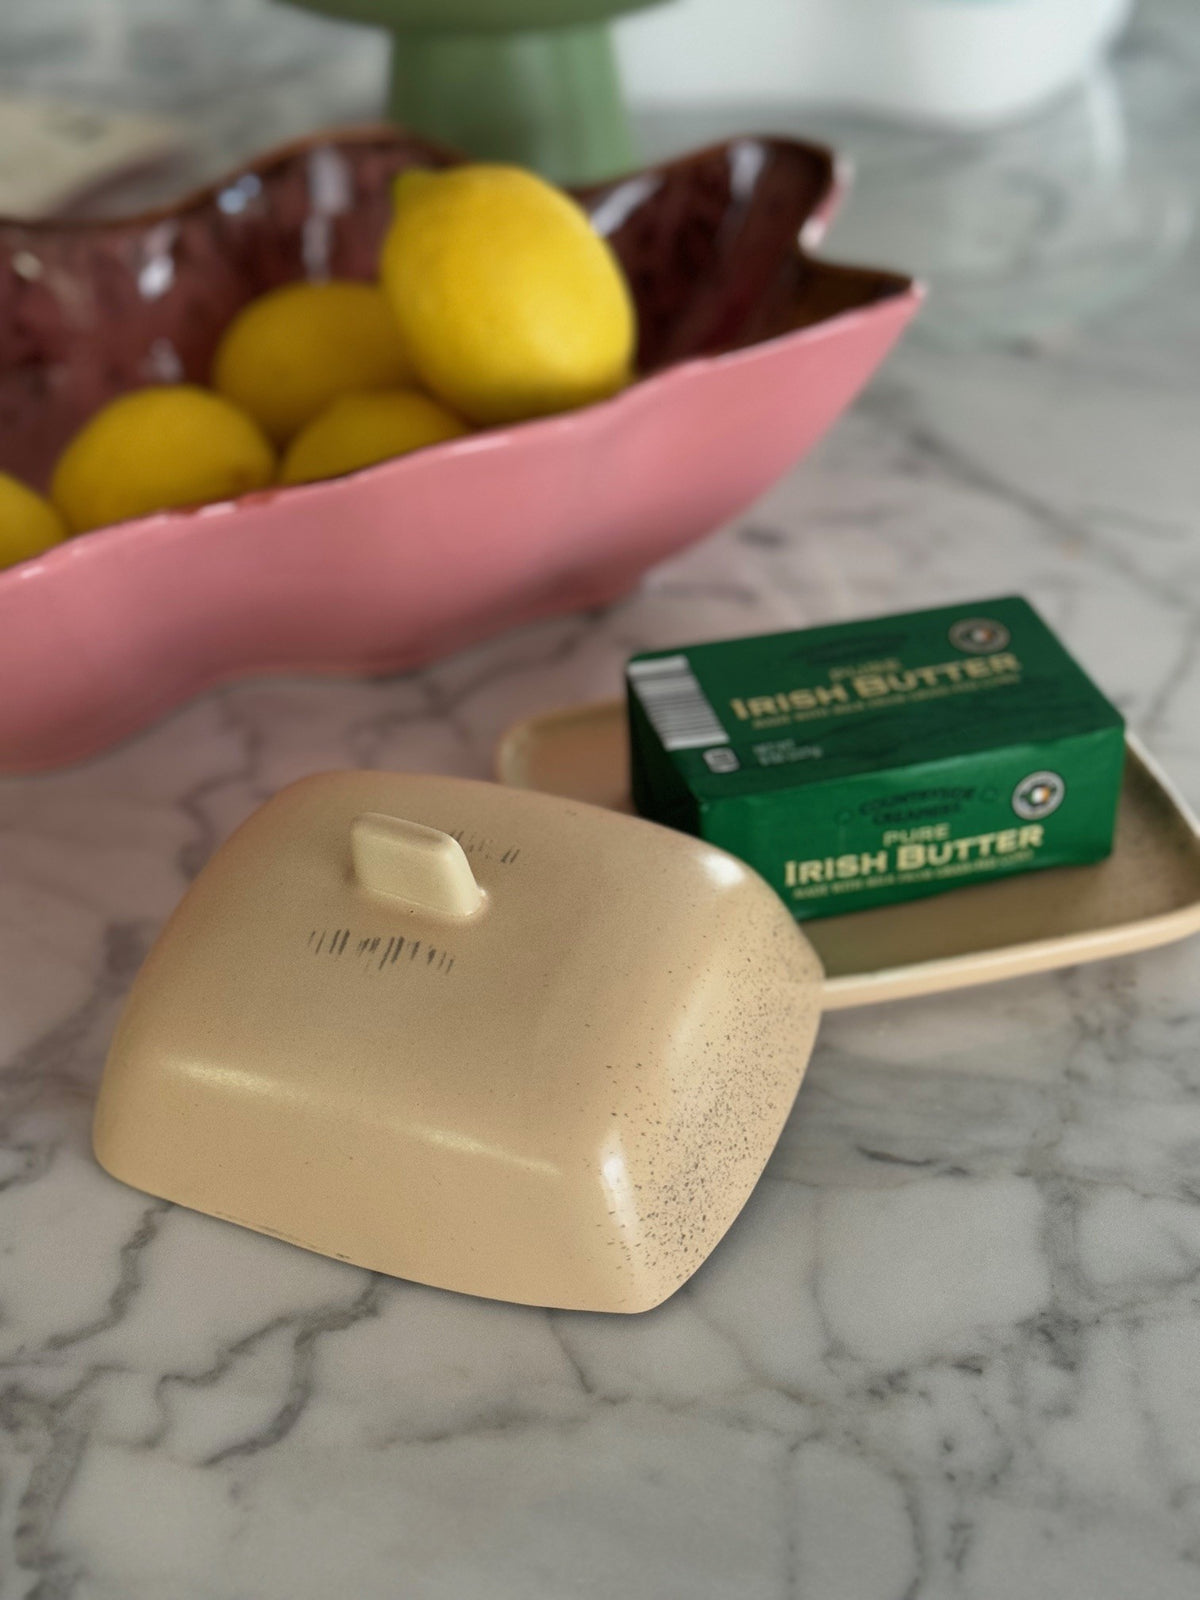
{"type": "Point", "coordinates": [950, 1351]}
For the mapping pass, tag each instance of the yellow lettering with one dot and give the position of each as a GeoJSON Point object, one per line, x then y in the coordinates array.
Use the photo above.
{"type": "Point", "coordinates": [870, 686]}
{"type": "Point", "coordinates": [826, 697]}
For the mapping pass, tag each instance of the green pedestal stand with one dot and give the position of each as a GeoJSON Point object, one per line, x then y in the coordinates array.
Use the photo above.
{"type": "Point", "coordinates": [530, 81]}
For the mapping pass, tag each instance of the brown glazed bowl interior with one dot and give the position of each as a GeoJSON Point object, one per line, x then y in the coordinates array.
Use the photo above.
{"type": "Point", "coordinates": [89, 309]}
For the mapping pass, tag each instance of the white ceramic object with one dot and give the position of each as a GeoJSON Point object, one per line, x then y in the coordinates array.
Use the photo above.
{"type": "Point", "coordinates": [958, 63]}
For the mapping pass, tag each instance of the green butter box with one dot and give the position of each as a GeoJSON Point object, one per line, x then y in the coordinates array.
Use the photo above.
{"type": "Point", "coordinates": [869, 762]}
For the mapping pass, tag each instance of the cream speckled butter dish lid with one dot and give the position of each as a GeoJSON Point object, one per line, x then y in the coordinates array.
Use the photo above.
{"type": "Point", "coordinates": [491, 1040]}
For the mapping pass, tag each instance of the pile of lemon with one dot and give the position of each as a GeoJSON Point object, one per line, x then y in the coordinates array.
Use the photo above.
{"type": "Point", "coordinates": [496, 302]}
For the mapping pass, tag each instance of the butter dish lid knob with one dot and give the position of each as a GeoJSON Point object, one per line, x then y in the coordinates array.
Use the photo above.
{"type": "Point", "coordinates": [408, 861]}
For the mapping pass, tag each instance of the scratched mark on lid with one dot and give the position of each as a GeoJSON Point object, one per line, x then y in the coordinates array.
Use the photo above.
{"type": "Point", "coordinates": [373, 952]}
{"type": "Point", "coordinates": [484, 846]}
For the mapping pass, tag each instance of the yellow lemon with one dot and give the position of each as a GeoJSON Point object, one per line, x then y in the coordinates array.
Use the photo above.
{"type": "Point", "coordinates": [174, 445]}
{"type": "Point", "coordinates": [357, 430]}
{"type": "Point", "coordinates": [28, 524]}
{"type": "Point", "coordinates": [292, 351]}
{"type": "Point", "coordinates": [510, 305]}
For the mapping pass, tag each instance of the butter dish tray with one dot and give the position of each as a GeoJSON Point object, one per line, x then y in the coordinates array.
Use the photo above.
{"type": "Point", "coordinates": [1146, 893]}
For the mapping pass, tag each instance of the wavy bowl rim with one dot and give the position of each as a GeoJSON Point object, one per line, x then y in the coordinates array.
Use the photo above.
{"type": "Point", "coordinates": [179, 520]}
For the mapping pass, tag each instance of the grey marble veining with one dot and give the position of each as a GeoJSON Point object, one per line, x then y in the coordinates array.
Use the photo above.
{"type": "Point", "coordinates": [951, 1349]}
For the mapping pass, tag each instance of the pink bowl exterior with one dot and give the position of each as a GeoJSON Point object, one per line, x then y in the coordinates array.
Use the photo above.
{"type": "Point", "coordinates": [410, 560]}
{"type": "Point", "coordinates": [107, 632]}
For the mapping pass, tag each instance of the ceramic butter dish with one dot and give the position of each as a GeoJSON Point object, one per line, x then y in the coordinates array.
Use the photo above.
{"type": "Point", "coordinates": [491, 1040]}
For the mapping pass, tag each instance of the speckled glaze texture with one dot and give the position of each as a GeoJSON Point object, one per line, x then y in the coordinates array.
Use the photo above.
{"type": "Point", "coordinates": [749, 350]}
{"type": "Point", "coordinates": [529, 1102]}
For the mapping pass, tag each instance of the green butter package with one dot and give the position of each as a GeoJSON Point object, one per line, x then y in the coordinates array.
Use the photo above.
{"type": "Point", "coordinates": [868, 762]}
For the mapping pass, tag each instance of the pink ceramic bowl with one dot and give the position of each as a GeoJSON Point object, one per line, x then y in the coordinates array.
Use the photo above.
{"type": "Point", "coordinates": [749, 350]}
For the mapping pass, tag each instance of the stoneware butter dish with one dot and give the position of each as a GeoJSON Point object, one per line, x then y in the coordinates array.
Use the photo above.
{"type": "Point", "coordinates": [487, 1039]}
{"type": "Point", "coordinates": [1146, 893]}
